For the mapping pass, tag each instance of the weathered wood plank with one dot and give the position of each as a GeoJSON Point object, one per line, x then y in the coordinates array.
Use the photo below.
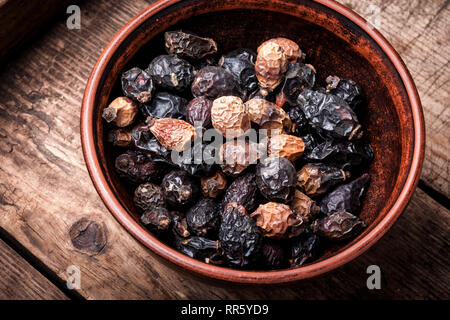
{"type": "Point", "coordinates": [45, 189]}
{"type": "Point", "coordinates": [20, 281]}
{"type": "Point", "coordinates": [418, 30]}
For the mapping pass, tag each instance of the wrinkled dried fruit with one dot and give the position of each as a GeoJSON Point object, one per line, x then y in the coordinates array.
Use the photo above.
{"type": "Point", "coordinates": [244, 191]}
{"type": "Point", "coordinates": [188, 44]}
{"type": "Point", "coordinates": [236, 155]}
{"type": "Point", "coordinates": [317, 178]}
{"type": "Point", "coordinates": [180, 226]}
{"type": "Point", "coordinates": [273, 254]}
{"type": "Point", "coordinates": [346, 197]}
{"type": "Point", "coordinates": [346, 89]}
{"type": "Point", "coordinates": [290, 48]}
{"type": "Point", "coordinates": [304, 206]}
{"type": "Point", "coordinates": [287, 146]}
{"type": "Point", "coordinates": [214, 82]}
{"type": "Point", "coordinates": [172, 134]}
{"type": "Point", "coordinates": [180, 189]}
{"type": "Point", "coordinates": [278, 221]}
{"type": "Point", "coordinates": [298, 77]}
{"type": "Point", "coordinates": [157, 218]}
{"type": "Point", "coordinates": [137, 168]}
{"type": "Point", "coordinates": [120, 137]}
{"type": "Point", "coordinates": [148, 196]}
{"type": "Point", "coordinates": [198, 112]}
{"type": "Point", "coordinates": [343, 154]}
{"type": "Point", "coordinates": [304, 248]}
{"type": "Point", "coordinates": [165, 105]}
{"type": "Point", "coordinates": [229, 117]}
{"type": "Point", "coordinates": [138, 85]}
{"type": "Point", "coordinates": [268, 115]}
{"type": "Point", "coordinates": [203, 218]}
{"type": "Point", "coordinates": [300, 124]}
{"type": "Point", "coordinates": [340, 225]}
{"type": "Point", "coordinates": [239, 236]}
{"type": "Point", "coordinates": [121, 111]}
{"type": "Point", "coordinates": [311, 141]}
{"type": "Point", "coordinates": [213, 186]}
{"type": "Point", "coordinates": [271, 64]}
{"type": "Point", "coordinates": [199, 160]}
{"type": "Point", "coordinates": [199, 248]}
{"type": "Point", "coordinates": [276, 179]}
{"type": "Point", "coordinates": [143, 140]}
{"type": "Point", "coordinates": [329, 114]}
{"type": "Point", "coordinates": [171, 72]}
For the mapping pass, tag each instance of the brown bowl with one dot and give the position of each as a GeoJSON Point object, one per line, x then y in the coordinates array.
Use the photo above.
{"type": "Point", "coordinates": [336, 41]}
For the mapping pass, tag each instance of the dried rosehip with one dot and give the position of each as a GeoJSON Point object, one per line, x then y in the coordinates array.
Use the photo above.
{"type": "Point", "coordinates": [340, 225]}
{"type": "Point", "coordinates": [304, 206]}
{"type": "Point", "coordinates": [300, 124]}
{"type": "Point", "coordinates": [121, 111]}
{"type": "Point", "coordinates": [171, 72]}
{"type": "Point", "coordinates": [214, 82]}
{"type": "Point", "coordinates": [144, 140]}
{"type": "Point", "coordinates": [276, 179]}
{"type": "Point", "coordinates": [290, 49]}
{"type": "Point", "coordinates": [311, 141]}
{"type": "Point", "coordinates": [287, 146]}
{"type": "Point", "coordinates": [298, 77]}
{"type": "Point", "coordinates": [165, 105]}
{"type": "Point", "coordinates": [329, 115]}
{"type": "Point", "coordinates": [213, 186]}
{"type": "Point", "coordinates": [148, 196]}
{"type": "Point", "coordinates": [198, 248]}
{"type": "Point", "coordinates": [180, 226]}
{"type": "Point", "coordinates": [346, 197]}
{"type": "Point", "coordinates": [137, 84]}
{"type": "Point", "coordinates": [157, 218]}
{"type": "Point", "coordinates": [278, 221]}
{"type": "Point", "coordinates": [198, 112]}
{"type": "Point", "coordinates": [244, 191]}
{"type": "Point", "coordinates": [229, 117]}
{"type": "Point", "coordinates": [271, 64]}
{"type": "Point", "coordinates": [343, 154]}
{"type": "Point", "coordinates": [273, 254]}
{"type": "Point", "coordinates": [199, 160]}
{"type": "Point", "coordinates": [317, 178]}
{"type": "Point", "coordinates": [120, 137]}
{"type": "Point", "coordinates": [172, 134]}
{"type": "Point", "coordinates": [346, 89]}
{"type": "Point", "coordinates": [188, 44]}
{"type": "Point", "coordinates": [203, 218]}
{"type": "Point", "coordinates": [241, 64]}
{"type": "Point", "coordinates": [304, 248]}
{"type": "Point", "coordinates": [268, 115]}
{"type": "Point", "coordinates": [137, 168]}
{"type": "Point", "coordinates": [180, 189]}
{"type": "Point", "coordinates": [236, 155]}
{"type": "Point", "coordinates": [239, 236]}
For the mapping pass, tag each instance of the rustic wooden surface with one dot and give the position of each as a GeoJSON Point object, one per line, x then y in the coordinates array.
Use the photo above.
{"type": "Point", "coordinates": [45, 190]}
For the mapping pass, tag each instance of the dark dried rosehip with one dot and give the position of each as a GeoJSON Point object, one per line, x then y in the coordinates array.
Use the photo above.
{"type": "Point", "coordinates": [120, 137]}
{"type": "Point", "coordinates": [137, 84]}
{"type": "Point", "coordinates": [346, 197]}
{"type": "Point", "coordinates": [239, 236]}
{"type": "Point", "coordinates": [273, 254]}
{"type": "Point", "coordinates": [198, 248]}
{"type": "Point", "coordinates": [180, 189]}
{"type": "Point", "coordinates": [340, 225]}
{"type": "Point", "coordinates": [165, 105]}
{"type": "Point", "coordinates": [346, 89]}
{"type": "Point", "coordinates": [144, 140]}
{"type": "Point", "coordinates": [157, 218]}
{"type": "Point", "coordinates": [198, 112]}
{"type": "Point", "coordinates": [300, 124]}
{"type": "Point", "coordinates": [317, 178]}
{"type": "Point", "coordinates": [213, 186]}
{"type": "Point", "coordinates": [329, 115]}
{"type": "Point", "coordinates": [276, 178]}
{"type": "Point", "coordinates": [188, 44]}
{"type": "Point", "coordinates": [311, 141]}
{"type": "Point", "coordinates": [203, 218]}
{"type": "Point", "coordinates": [180, 226]}
{"type": "Point", "coordinates": [171, 72]}
{"type": "Point", "coordinates": [304, 248]}
{"type": "Point", "coordinates": [148, 196]}
{"type": "Point", "coordinates": [135, 167]}
{"type": "Point", "coordinates": [199, 160]}
{"type": "Point", "coordinates": [244, 191]}
{"type": "Point", "coordinates": [214, 82]}
{"type": "Point", "coordinates": [298, 77]}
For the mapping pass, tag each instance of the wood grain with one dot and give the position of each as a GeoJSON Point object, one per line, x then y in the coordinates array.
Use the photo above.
{"type": "Point", "coordinates": [45, 190]}
{"type": "Point", "coordinates": [20, 281]}
{"type": "Point", "coordinates": [418, 30]}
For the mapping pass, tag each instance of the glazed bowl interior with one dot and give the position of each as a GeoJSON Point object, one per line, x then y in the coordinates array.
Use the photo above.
{"type": "Point", "coordinates": [333, 45]}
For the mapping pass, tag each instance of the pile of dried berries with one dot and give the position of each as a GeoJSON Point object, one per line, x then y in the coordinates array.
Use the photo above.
{"type": "Point", "coordinates": [234, 203]}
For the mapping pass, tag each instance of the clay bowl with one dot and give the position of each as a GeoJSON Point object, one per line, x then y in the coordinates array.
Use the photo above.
{"type": "Point", "coordinates": [336, 41]}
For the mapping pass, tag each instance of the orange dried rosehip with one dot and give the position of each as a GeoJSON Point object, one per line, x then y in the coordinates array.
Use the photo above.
{"type": "Point", "coordinates": [268, 115]}
{"type": "Point", "coordinates": [172, 134]}
{"type": "Point", "coordinates": [229, 117]}
{"type": "Point", "coordinates": [121, 111]}
{"type": "Point", "coordinates": [290, 48]}
{"type": "Point", "coordinates": [236, 156]}
{"type": "Point", "coordinates": [286, 146]}
{"type": "Point", "coordinates": [278, 221]}
{"type": "Point", "coordinates": [271, 64]}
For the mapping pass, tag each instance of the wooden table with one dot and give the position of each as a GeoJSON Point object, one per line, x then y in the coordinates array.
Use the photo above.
{"type": "Point", "coordinates": [45, 187]}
